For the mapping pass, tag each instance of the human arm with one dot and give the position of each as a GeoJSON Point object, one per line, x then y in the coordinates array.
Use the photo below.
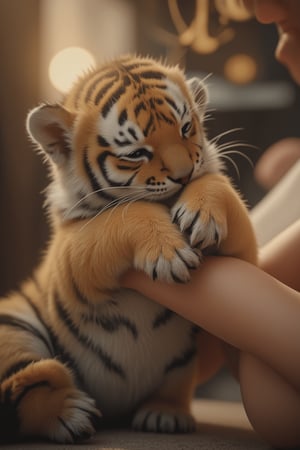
{"type": "Point", "coordinates": [256, 314]}
{"type": "Point", "coordinates": [240, 304]}
{"type": "Point", "coordinates": [277, 161]}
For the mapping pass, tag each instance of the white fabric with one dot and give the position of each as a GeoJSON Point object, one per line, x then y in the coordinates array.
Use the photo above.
{"type": "Point", "coordinates": [279, 208]}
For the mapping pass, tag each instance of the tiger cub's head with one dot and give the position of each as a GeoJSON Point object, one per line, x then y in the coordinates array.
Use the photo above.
{"type": "Point", "coordinates": [130, 130]}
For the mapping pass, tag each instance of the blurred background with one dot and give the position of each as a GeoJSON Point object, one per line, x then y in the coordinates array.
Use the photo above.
{"type": "Point", "coordinates": [43, 43]}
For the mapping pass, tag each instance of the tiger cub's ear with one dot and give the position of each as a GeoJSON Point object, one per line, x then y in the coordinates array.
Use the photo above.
{"type": "Point", "coordinates": [50, 127]}
{"type": "Point", "coordinates": [199, 93]}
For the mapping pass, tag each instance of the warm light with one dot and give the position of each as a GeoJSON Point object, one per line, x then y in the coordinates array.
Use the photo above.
{"type": "Point", "coordinates": [240, 69]}
{"type": "Point", "coordinates": [67, 65]}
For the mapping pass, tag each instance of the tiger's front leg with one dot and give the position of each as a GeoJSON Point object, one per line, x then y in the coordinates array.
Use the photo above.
{"type": "Point", "coordinates": [140, 235]}
{"type": "Point", "coordinates": [211, 213]}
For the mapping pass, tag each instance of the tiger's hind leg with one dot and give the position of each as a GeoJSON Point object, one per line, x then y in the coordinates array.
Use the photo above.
{"type": "Point", "coordinates": [38, 396]}
{"type": "Point", "coordinates": [41, 400]}
{"type": "Point", "coordinates": [168, 411]}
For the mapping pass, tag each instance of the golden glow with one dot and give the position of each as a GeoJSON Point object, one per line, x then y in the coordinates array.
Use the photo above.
{"type": "Point", "coordinates": [232, 10]}
{"type": "Point", "coordinates": [240, 69]}
{"type": "Point", "coordinates": [196, 35]}
{"type": "Point", "coordinates": [67, 65]}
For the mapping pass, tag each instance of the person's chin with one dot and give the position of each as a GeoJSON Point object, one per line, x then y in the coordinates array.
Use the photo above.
{"type": "Point", "coordinates": [287, 52]}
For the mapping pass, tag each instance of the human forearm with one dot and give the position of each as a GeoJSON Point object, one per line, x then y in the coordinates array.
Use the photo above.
{"type": "Point", "coordinates": [241, 305]}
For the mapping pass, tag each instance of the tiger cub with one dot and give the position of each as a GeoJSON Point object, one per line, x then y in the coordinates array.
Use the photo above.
{"type": "Point", "coordinates": [135, 183]}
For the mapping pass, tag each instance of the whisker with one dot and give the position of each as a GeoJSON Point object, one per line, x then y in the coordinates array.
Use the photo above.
{"type": "Point", "coordinates": [210, 111]}
{"type": "Point", "coordinates": [234, 144]}
{"type": "Point", "coordinates": [135, 197]}
{"type": "Point", "coordinates": [224, 133]}
{"type": "Point", "coordinates": [105, 207]}
{"type": "Point", "coordinates": [89, 194]}
{"type": "Point", "coordinates": [226, 157]}
{"type": "Point", "coordinates": [226, 153]}
{"type": "Point", "coordinates": [115, 203]}
{"type": "Point", "coordinates": [125, 210]}
{"type": "Point", "coordinates": [206, 77]}
{"type": "Point", "coordinates": [208, 117]}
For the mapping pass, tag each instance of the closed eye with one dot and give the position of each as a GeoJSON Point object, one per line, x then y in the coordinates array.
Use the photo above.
{"type": "Point", "coordinates": [138, 155]}
{"type": "Point", "coordinates": [186, 128]}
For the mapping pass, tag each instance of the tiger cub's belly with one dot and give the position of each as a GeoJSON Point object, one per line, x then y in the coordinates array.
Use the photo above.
{"type": "Point", "coordinates": [136, 344]}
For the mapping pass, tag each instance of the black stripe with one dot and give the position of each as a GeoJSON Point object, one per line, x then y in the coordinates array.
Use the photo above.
{"type": "Point", "coordinates": [149, 125]}
{"type": "Point", "coordinates": [162, 116]}
{"type": "Point", "coordinates": [130, 66]}
{"type": "Point", "coordinates": [83, 300]}
{"type": "Point", "coordinates": [162, 318]}
{"type": "Point", "coordinates": [182, 360]}
{"type": "Point", "coordinates": [114, 98]}
{"type": "Point", "coordinates": [101, 161]}
{"type": "Point", "coordinates": [15, 322]}
{"type": "Point", "coordinates": [102, 141]}
{"type": "Point", "coordinates": [104, 90]}
{"type": "Point", "coordinates": [132, 132]}
{"type": "Point", "coordinates": [140, 106]}
{"type": "Point", "coordinates": [93, 180]}
{"type": "Point", "coordinates": [16, 367]}
{"type": "Point", "coordinates": [152, 103]}
{"type": "Point", "coordinates": [37, 312]}
{"type": "Point", "coordinates": [126, 80]}
{"type": "Point", "coordinates": [81, 87]}
{"type": "Point", "coordinates": [172, 104]}
{"type": "Point", "coordinates": [152, 74]}
{"type": "Point", "coordinates": [122, 117]}
{"type": "Point", "coordinates": [40, 318]}
{"type": "Point", "coordinates": [65, 358]}
{"type": "Point", "coordinates": [158, 101]}
{"type": "Point", "coordinates": [101, 77]}
{"type": "Point", "coordinates": [86, 342]}
{"type": "Point", "coordinates": [122, 143]}
{"type": "Point", "coordinates": [112, 323]}
{"type": "Point", "coordinates": [28, 389]}
{"type": "Point", "coordinates": [151, 88]}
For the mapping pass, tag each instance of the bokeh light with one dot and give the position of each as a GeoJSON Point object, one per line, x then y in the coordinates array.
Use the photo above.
{"type": "Point", "coordinates": [240, 69]}
{"type": "Point", "coordinates": [67, 65]}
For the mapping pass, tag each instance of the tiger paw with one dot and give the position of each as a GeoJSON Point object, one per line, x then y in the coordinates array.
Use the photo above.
{"type": "Point", "coordinates": [202, 225]}
{"type": "Point", "coordinates": [42, 401]}
{"type": "Point", "coordinates": [163, 421]}
{"type": "Point", "coordinates": [169, 258]}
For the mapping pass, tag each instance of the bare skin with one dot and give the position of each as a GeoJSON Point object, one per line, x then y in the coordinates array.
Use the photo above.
{"type": "Point", "coordinates": [276, 161]}
{"type": "Point", "coordinates": [285, 14]}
